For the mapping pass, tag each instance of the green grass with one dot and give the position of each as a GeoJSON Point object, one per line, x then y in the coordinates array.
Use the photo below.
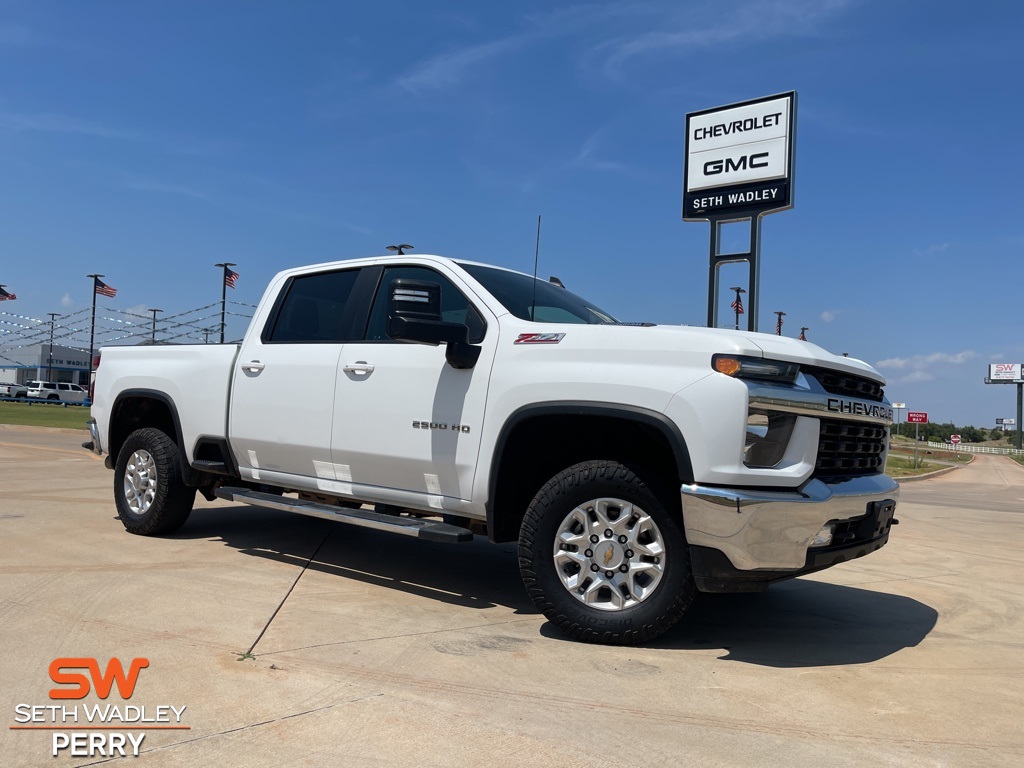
{"type": "Point", "coordinates": [899, 466]}
{"type": "Point", "coordinates": [1017, 457]}
{"type": "Point", "coordinates": [44, 415]}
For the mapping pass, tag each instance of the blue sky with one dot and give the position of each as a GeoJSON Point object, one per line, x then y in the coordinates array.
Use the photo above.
{"type": "Point", "coordinates": [148, 141]}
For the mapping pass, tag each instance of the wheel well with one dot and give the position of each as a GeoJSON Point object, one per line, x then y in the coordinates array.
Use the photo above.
{"type": "Point", "coordinates": [538, 448]}
{"type": "Point", "coordinates": [135, 412]}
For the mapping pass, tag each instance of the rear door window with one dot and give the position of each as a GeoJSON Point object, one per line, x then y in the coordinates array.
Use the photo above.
{"type": "Point", "coordinates": [315, 309]}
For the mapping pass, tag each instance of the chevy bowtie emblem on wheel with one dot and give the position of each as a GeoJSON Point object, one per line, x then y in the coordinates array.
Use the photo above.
{"type": "Point", "coordinates": [609, 553]}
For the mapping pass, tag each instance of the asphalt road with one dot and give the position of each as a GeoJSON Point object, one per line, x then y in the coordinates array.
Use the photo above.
{"type": "Point", "coordinates": [297, 642]}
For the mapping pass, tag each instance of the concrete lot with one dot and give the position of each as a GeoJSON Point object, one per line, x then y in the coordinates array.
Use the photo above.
{"type": "Point", "coordinates": [384, 651]}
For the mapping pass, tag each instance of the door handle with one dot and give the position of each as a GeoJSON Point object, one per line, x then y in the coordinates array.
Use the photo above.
{"type": "Point", "coordinates": [360, 366]}
{"type": "Point", "coordinates": [253, 366]}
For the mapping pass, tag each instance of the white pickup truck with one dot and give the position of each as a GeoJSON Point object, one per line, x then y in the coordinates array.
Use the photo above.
{"type": "Point", "coordinates": [634, 464]}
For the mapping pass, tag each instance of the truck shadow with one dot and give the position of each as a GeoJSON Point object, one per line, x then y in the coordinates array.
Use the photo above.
{"type": "Point", "coordinates": [471, 575]}
{"type": "Point", "coordinates": [803, 623]}
{"type": "Point", "coordinates": [799, 623]}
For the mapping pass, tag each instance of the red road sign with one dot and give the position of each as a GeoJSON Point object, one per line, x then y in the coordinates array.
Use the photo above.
{"type": "Point", "coordinates": [954, 439]}
{"type": "Point", "coordinates": [917, 417]}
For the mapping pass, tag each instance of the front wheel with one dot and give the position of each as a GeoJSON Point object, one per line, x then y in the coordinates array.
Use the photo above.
{"type": "Point", "coordinates": [602, 557]}
{"type": "Point", "coordinates": [150, 495]}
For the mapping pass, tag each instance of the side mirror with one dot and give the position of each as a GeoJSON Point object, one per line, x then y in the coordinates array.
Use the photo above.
{"type": "Point", "coordinates": [414, 314]}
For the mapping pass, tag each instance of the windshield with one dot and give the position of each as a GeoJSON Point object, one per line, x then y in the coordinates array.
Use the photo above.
{"type": "Point", "coordinates": [552, 304]}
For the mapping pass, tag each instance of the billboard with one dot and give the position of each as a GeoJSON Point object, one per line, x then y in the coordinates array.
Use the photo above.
{"type": "Point", "coordinates": [739, 158]}
{"type": "Point", "coordinates": [1004, 372]}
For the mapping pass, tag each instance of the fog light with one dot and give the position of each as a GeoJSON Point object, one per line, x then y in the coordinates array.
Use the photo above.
{"type": "Point", "coordinates": [823, 537]}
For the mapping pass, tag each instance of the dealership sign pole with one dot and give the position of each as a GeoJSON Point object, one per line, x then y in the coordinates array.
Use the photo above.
{"type": "Point", "coordinates": [1010, 373]}
{"type": "Point", "coordinates": [739, 167]}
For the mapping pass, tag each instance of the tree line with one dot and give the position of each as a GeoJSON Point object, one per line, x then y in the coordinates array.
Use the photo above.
{"type": "Point", "coordinates": [940, 432]}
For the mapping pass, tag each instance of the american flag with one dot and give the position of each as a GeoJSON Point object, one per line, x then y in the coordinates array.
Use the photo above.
{"type": "Point", "coordinates": [738, 305]}
{"type": "Point", "coordinates": [105, 290]}
{"type": "Point", "coordinates": [778, 327]}
{"type": "Point", "coordinates": [5, 296]}
{"type": "Point", "coordinates": [803, 334]}
{"type": "Point", "coordinates": [230, 276]}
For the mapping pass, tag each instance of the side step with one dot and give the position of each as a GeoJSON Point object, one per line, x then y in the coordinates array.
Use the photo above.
{"type": "Point", "coordinates": [428, 530]}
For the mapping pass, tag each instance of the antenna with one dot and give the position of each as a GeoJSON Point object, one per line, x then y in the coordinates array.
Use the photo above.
{"type": "Point", "coordinates": [536, 261]}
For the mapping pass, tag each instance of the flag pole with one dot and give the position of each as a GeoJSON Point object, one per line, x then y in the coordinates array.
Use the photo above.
{"type": "Point", "coordinates": [737, 305]}
{"type": "Point", "coordinates": [223, 293]}
{"type": "Point", "coordinates": [92, 325]}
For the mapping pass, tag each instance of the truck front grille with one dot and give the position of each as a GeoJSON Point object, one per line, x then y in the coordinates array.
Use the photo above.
{"type": "Point", "coordinates": [849, 449]}
{"type": "Point", "coordinates": [846, 384]}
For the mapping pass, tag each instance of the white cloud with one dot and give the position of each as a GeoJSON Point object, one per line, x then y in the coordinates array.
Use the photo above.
{"type": "Point", "coordinates": [66, 301]}
{"type": "Point", "coordinates": [916, 376]}
{"type": "Point", "coordinates": [141, 311]}
{"type": "Point", "coordinates": [755, 20]}
{"type": "Point", "coordinates": [919, 362]}
{"type": "Point", "coordinates": [170, 189]}
{"type": "Point", "coordinates": [450, 68]}
{"type": "Point", "coordinates": [829, 315]}
{"type": "Point", "coordinates": [932, 250]}
{"type": "Point", "coordinates": [587, 156]}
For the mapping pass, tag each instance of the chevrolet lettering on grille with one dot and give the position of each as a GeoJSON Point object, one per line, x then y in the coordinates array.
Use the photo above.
{"type": "Point", "coordinates": [856, 408]}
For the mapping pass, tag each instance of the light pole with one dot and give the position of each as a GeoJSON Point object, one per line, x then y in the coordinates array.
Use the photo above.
{"type": "Point", "coordinates": [226, 265]}
{"type": "Point", "coordinates": [152, 336]}
{"type": "Point", "coordinates": [738, 304]}
{"type": "Point", "coordinates": [897, 407]}
{"type": "Point", "coordinates": [49, 364]}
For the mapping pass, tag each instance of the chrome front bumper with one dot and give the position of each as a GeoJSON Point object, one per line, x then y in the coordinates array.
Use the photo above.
{"type": "Point", "coordinates": [765, 529]}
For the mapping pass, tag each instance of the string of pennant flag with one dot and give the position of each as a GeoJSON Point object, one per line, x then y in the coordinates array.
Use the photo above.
{"type": "Point", "coordinates": [111, 325]}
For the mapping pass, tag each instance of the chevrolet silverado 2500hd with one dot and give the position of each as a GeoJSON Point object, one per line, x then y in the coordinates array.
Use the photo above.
{"type": "Point", "coordinates": [634, 464]}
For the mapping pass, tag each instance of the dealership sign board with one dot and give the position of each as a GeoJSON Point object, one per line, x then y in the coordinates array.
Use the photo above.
{"type": "Point", "coordinates": [739, 158]}
{"type": "Point", "coordinates": [1008, 372]}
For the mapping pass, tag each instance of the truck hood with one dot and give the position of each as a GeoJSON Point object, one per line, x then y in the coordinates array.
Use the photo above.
{"type": "Point", "coordinates": [680, 338]}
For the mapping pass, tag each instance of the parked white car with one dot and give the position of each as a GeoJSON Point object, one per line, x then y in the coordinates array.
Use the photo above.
{"type": "Point", "coordinates": [54, 390]}
{"type": "Point", "coordinates": [7, 389]}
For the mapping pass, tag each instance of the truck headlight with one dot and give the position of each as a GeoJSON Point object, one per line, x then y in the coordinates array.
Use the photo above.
{"type": "Point", "coordinates": [768, 434]}
{"type": "Point", "coordinates": [742, 367]}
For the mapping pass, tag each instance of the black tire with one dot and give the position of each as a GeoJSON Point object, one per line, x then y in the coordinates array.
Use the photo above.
{"type": "Point", "coordinates": [638, 619]}
{"type": "Point", "coordinates": [53, 397]}
{"type": "Point", "coordinates": [166, 502]}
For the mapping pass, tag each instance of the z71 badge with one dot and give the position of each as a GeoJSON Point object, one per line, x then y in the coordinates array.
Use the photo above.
{"type": "Point", "coordinates": [539, 338]}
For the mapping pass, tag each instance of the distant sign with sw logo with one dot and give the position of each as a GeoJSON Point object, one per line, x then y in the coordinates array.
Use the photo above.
{"type": "Point", "coordinates": [739, 158]}
{"type": "Point", "coordinates": [1008, 372]}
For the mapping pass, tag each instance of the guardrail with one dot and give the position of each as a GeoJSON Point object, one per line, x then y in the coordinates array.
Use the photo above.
{"type": "Point", "coordinates": [976, 449]}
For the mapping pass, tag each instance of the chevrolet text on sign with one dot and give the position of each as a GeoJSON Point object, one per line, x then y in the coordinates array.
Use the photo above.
{"type": "Point", "coordinates": [739, 157]}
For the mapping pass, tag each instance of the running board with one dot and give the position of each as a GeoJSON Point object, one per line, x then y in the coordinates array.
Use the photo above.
{"type": "Point", "coordinates": [428, 530]}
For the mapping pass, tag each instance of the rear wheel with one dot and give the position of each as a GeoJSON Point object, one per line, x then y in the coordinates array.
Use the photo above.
{"type": "Point", "coordinates": [602, 557]}
{"type": "Point", "coordinates": [150, 495]}
{"type": "Point", "coordinates": [53, 397]}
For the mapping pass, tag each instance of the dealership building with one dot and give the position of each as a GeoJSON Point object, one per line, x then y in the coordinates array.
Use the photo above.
{"type": "Point", "coordinates": [41, 362]}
